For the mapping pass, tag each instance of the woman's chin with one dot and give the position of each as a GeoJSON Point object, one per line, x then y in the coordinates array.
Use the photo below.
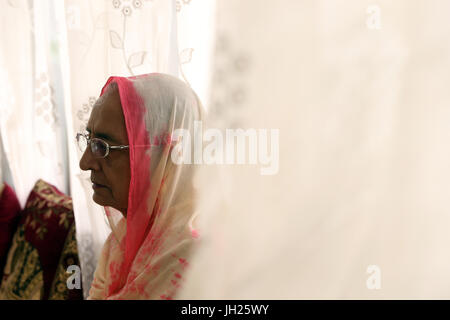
{"type": "Point", "coordinates": [98, 199]}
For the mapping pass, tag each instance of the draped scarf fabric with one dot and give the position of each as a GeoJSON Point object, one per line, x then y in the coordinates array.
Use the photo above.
{"type": "Point", "coordinates": [147, 253]}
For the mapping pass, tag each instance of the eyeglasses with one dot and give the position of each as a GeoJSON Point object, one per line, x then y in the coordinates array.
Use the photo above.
{"type": "Point", "coordinates": [99, 147]}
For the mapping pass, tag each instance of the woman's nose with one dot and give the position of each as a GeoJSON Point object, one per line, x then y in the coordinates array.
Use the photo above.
{"type": "Point", "coordinates": [88, 162]}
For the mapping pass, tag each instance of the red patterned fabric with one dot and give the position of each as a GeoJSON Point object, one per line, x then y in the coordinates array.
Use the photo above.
{"type": "Point", "coordinates": [9, 216]}
{"type": "Point", "coordinates": [42, 249]}
{"type": "Point", "coordinates": [47, 217]}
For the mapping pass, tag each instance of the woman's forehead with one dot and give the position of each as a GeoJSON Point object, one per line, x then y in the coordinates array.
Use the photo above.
{"type": "Point", "coordinates": [107, 114]}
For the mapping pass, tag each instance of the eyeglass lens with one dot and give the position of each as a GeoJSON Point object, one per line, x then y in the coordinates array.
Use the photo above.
{"type": "Point", "coordinates": [98, 147]}
{"type": "Point", "coordinates": [82, 142]}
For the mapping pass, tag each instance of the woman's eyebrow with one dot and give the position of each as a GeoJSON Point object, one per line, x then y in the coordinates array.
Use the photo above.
{"type": "Point", "coordinates": [102, 135]}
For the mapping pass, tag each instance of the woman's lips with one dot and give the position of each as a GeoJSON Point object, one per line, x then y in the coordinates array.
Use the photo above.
{"type": "Point", "coordinates": [97, 186]}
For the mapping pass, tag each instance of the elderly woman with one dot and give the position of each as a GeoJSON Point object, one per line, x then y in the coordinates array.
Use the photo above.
{"type": "Point", "coordinates": [148, 198]}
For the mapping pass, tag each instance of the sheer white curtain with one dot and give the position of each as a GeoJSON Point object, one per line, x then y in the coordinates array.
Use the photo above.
{"type": "Point", "coordinates": [52, 68]}
{"type": "Point", "coordinates": [196, 39]}
{"type": "Point", "coordinates": [31, 124]}
{"type": "Point", "coordinates": [359, 91]}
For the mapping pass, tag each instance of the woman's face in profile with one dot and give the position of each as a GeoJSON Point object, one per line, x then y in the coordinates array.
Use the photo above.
{"type": "Point", "coordinates": [110, 175]}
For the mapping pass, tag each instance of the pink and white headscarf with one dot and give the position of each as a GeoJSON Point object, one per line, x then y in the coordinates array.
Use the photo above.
{"type": "Point", "coordinates": [147, 252]}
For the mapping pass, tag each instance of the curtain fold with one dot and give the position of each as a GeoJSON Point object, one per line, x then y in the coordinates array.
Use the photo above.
{"type": "Point", "coordinates": [31, 130]}
{"type": "Point", "coordinates": [359, 93]}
